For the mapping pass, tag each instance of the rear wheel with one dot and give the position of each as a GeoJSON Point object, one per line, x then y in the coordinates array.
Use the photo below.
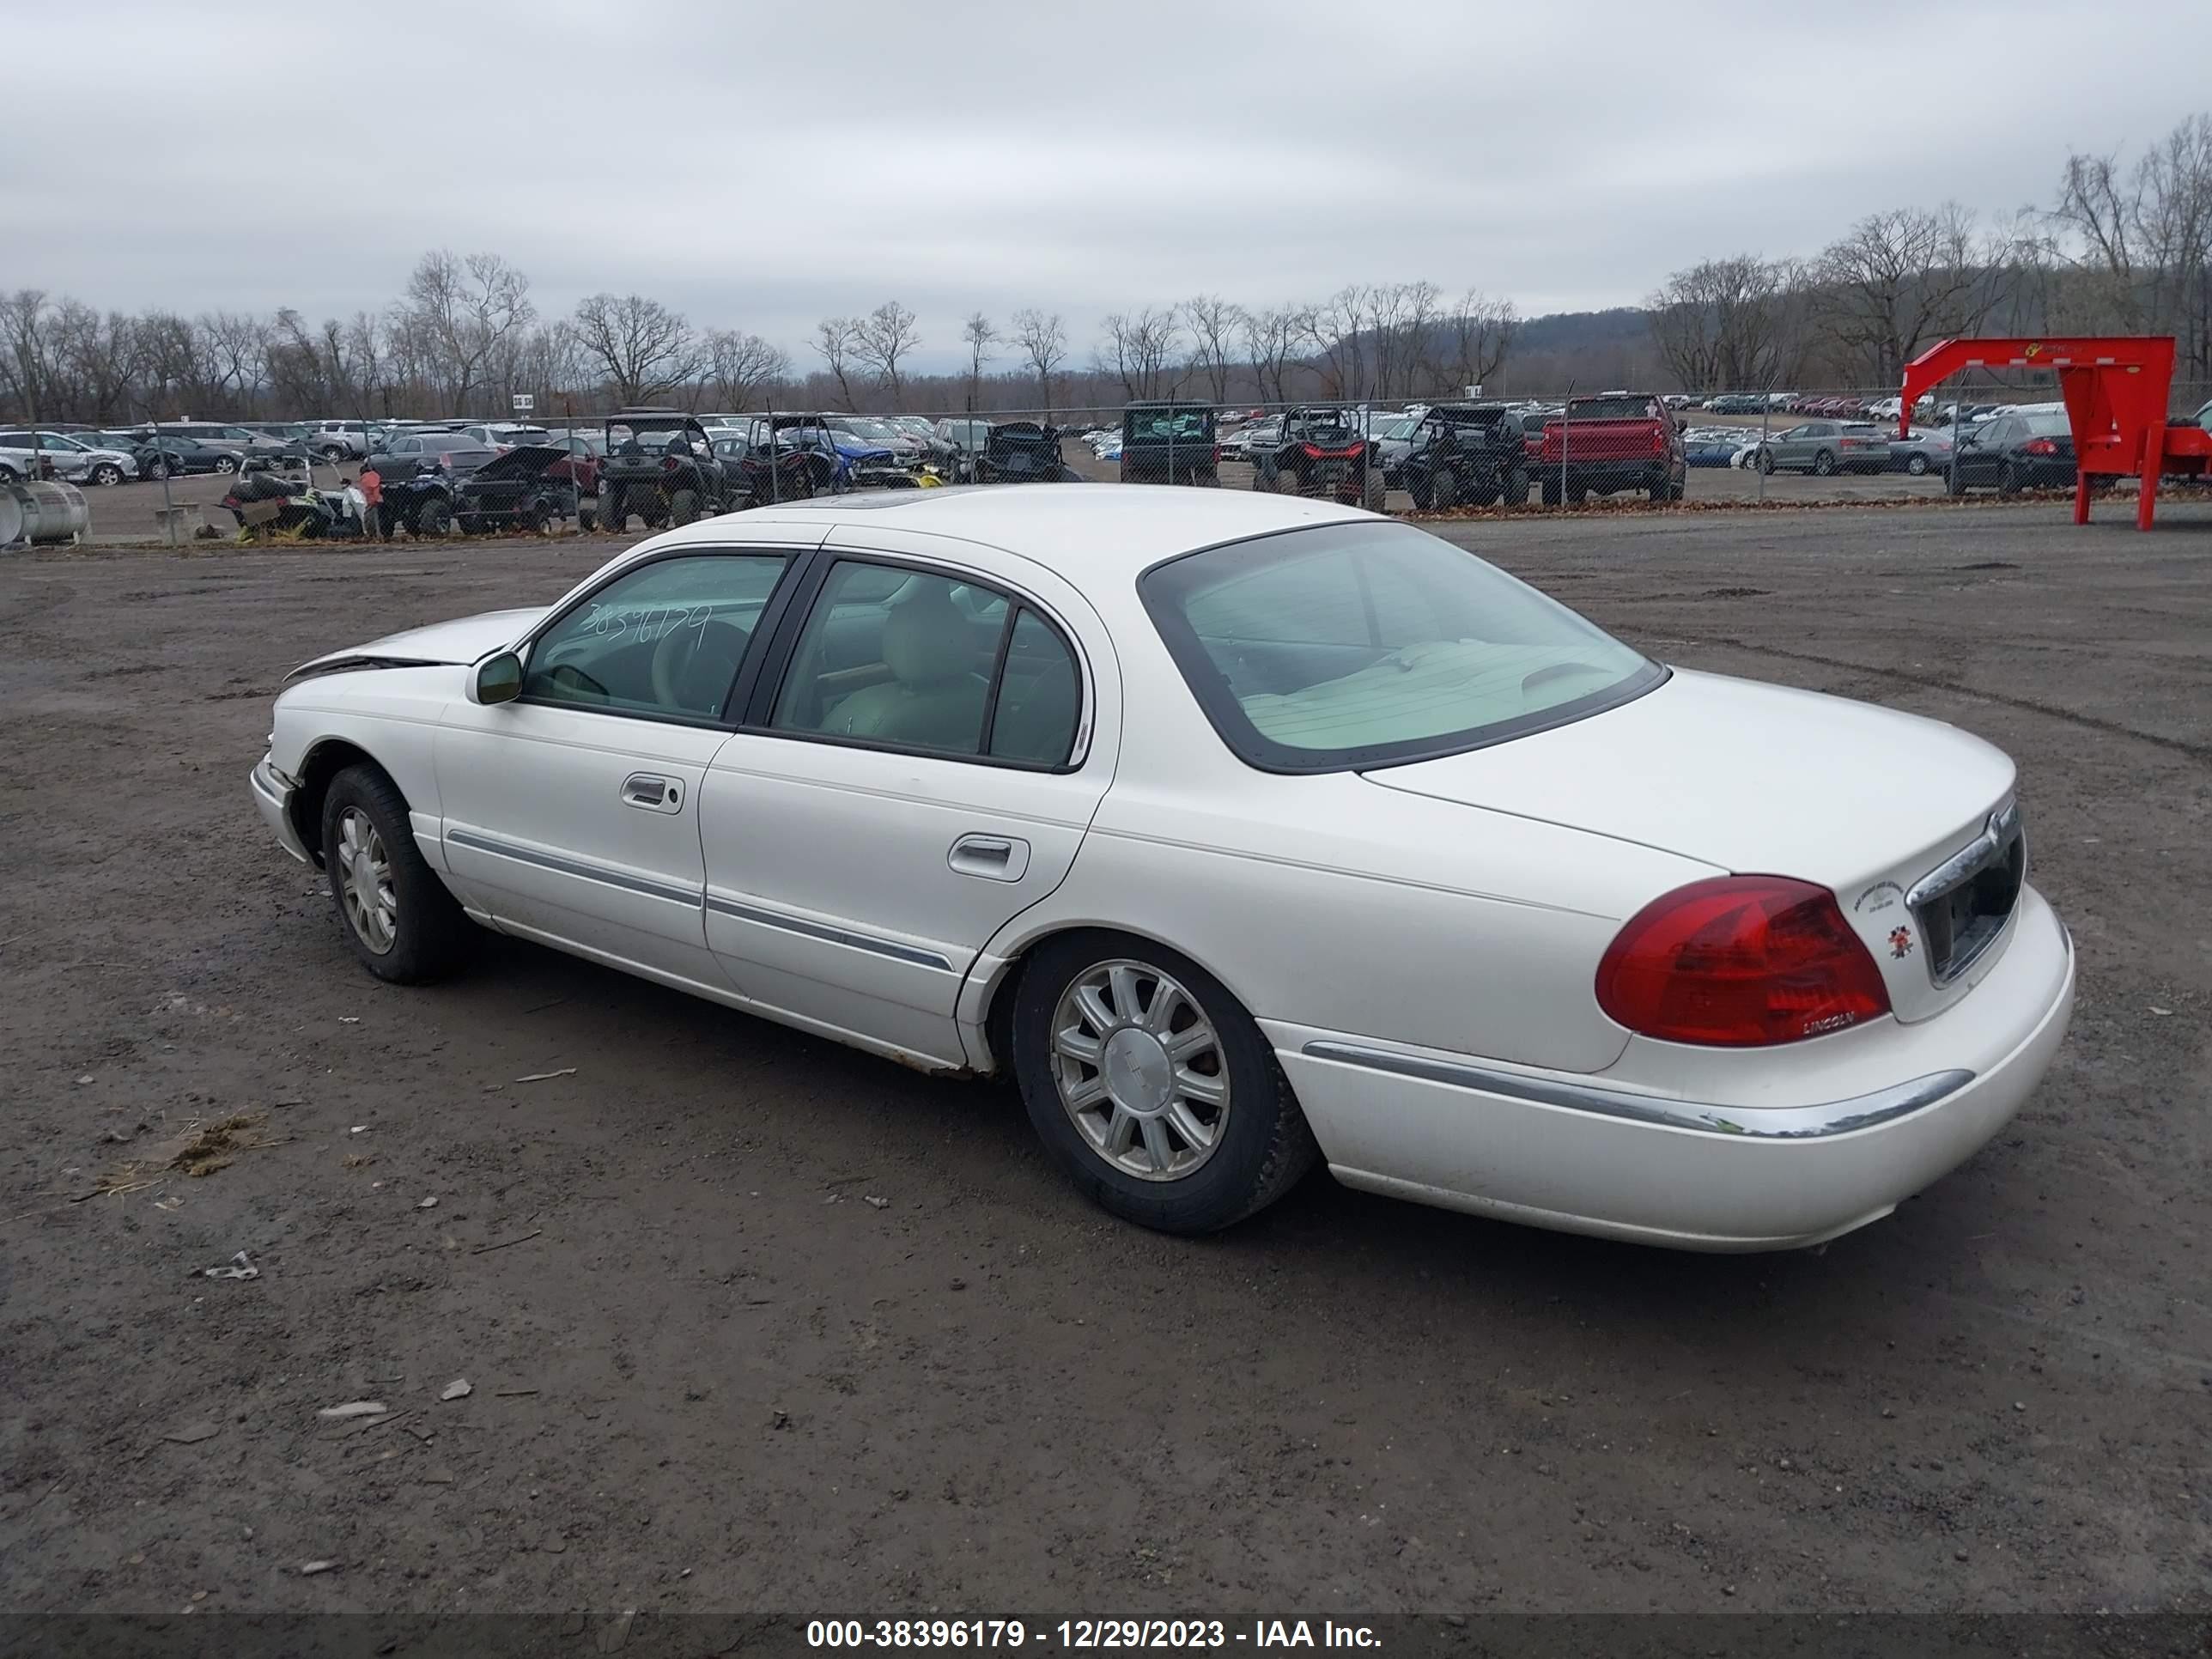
{"type": "Point", "coordinates": [1285, 481]}
{"type": "Point", "coordinates": [1551, 492]}
{"type": "Point", "coordinates": [434, 518]}
{"type": "Point", "coordinates": [1578, 494]}
{"type": "Point", "coordinates": [1443, 490]}
{"type": "Point", "coordinates": [1152, 1087]}
{"type": "Point", "coordinates": [1371, 489]}
{"type": "Point", "coordinates": [1824, 464]}
{"type": "Point", "coordinates": [1917, 465]}
{"type": "Point", "coordinates": [683, 507]}
{"type": "Point", "coordinates": [395, 913]}
{"type": "Point", "coordinates": [2008, 481]}
{"type": "Point", "coordinates": [611, 512]}
{"type": "Point", "coordinates": [1516, 487]}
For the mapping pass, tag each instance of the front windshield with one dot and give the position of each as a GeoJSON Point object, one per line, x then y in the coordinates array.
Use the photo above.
{"type": "Point", "coordinates": [1361, 645]}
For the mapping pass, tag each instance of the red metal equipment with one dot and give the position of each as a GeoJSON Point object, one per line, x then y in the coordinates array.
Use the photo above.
{"type": "Point", "coordinates": [2116, 388]}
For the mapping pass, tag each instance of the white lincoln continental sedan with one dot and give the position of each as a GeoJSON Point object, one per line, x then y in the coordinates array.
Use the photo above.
{"type": "Point", "coordinates": [1243, 831]}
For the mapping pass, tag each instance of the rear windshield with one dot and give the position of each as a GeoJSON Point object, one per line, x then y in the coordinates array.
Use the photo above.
{"type": "Point", "coordinates": [2048, 426]}
{"type": "Point", "coordinates": [1160, 425]}
{"type": "Point", "coordinates": [1609, 409]}
{"type": "Point", "coordinates": [1363, 645]}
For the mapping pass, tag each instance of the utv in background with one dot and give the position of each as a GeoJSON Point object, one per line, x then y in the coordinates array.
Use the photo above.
{"type": "Point", "coordinates": [1468, 454]}
{"type": "Point", "coordinates": [530, 487]}
{"type": "Point", "coordinates": [1322, 451]}
{"type": "Point", "coordinates": [1170, 442]}
{"type": "Point", "coordinates": [661, 465]}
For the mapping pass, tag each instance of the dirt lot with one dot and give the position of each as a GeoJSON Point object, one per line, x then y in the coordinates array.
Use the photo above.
{"type": "Point", "coordinates": [705, 1374]}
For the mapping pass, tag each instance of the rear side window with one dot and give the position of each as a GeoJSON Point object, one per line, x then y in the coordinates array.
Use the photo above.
{"type": "Point", "coordinates": [1612, 408]}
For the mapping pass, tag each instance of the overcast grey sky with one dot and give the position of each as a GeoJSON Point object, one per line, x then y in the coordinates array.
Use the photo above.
{"type": "Point", "coordinates": [759, 166]}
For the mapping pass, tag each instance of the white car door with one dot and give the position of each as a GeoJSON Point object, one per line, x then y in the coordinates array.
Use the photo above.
{"type": "Point", "coordinates": [921, 760]}
{"type": "Point", "coordinates": [571, 815]}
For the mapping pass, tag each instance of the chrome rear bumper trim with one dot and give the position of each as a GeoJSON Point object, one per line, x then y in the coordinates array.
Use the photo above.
{"type": "Point", "coordinates": [1835, 1117]}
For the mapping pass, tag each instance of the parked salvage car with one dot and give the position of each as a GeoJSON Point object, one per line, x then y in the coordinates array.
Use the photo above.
{"type": "Point", "coordinates": [1020, 452]}
{"type": "Point", "coordinates": [186, 456]}
{"type": "Point", "coordinates": [412, 453]}
{"type": "Point", "coordinates": [955, 441]}
{"type": "Point", "coordinates": [1320, 450]}
{"type": "Point", "coordinates": [25, 454]}
{"type": "Point", "coordinates": [1611, 441]}
{"type": "Point", "coordinates": [2013, 453]}
{"type": "Point", "coordinates": [1470, 454]}
{"type": "Point", "coordinates": [1822, 447]}
{"type": "Point", "coordinates": [1244, 833]}
{"type": "Point", "coordinates": [529, 486]}
{"type": "Point", "coordinates": [799, 470]}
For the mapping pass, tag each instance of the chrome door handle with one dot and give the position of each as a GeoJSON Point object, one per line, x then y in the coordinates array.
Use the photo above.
{"type": "Point", "coordinates": [653, 793]}
{"type": "Point", "coordinates": [994, 858]}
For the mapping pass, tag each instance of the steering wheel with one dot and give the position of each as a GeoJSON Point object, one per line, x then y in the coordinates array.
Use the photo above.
{"type": "Point", "coordinates": [676, 651]}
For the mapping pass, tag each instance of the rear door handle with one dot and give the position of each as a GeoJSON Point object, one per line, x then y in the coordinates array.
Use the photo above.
{"type": "Point", "coordinates": [994, 858]}
{"type": "Point", "coordinates": [651, 792]}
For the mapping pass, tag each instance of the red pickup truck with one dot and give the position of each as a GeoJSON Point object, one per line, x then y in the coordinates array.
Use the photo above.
{"type": "Point", "coordinates": [1613, 441]}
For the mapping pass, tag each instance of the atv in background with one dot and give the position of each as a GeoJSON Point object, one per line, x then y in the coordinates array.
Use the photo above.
{"type": "Point", "coordinates": [1322, 451]}
{"type": "Point", "coordinates": [660, 465]}
{"type": "Point", "coordinates": [1468, 455]}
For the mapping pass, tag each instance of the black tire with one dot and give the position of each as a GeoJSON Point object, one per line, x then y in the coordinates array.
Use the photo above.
{"type": "Point", "coordinates": [1208, 480]}
{"type": "Point", "coordinates": [333, 454]}
{"type": "Point", "coordinates": [1285, 482]}
{"type": "Point", "coordinates": [2008, 481]}
{"type": "Point", "coordinates": [1659, 490]}
{"type": "Point", "coordinates": [1824, 464]}
{"type": "Point", "coordinates": [1678, 488]}
{"type": "Point", "coordinates": [431, 937]}
{"type": "Point", "coordinates": [541, 522]}
{"type": "Point", "coordinates": [107, 474]}
{"type": "Point", "coordinates": [1264, 1148]}
{"type": "Point", "coordinates": [611, 512]}
{"type": "Point", "coordinates": [434, 518]}
{"type": "Point", "coordinates": [1551, 491]}
{"type": "Point", "coordinates": [1261, 478]}
{"type": "Point", "coordinates": [1766, 460]}
{"type": "Point", "coordinates": [224, 464]}
{"type": "Point", "coordinates": [1372, 490]}
{"type": "Point", "coordinates": [1516, 487]}
{"type": "Point", "coordinates": [683, 507]}
{"type": "Point", "coordinates": [471, 525]}
{"type": "Point", "coordinates": [1917, 465]}
{"type": "Point", "coordinates": [1578, 494]}
{"type": "Point", "coordinates": [158, 470]}
{"type": "Point", "coordinates": [1443, 490]}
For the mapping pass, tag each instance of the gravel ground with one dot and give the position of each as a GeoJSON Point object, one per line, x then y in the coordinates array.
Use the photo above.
{"type": "Point", "coordinates": [705, 1374]}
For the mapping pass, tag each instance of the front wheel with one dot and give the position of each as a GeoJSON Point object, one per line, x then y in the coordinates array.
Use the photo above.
{"type": "Point", "coordinates": [224, 464]}
{"type": "Point", "coordinates": [107, 473]}
{"type": "Point", "coordinates": [1955, 482]}
{"type": "Point", "coordinates": [1766, 461]}
{"type": "Point", "coordinates": [1824, 464]}
{"type": "Point", "coordinates": [1152, 1087]}
{"type": "Point", "coordinates": [1917, 465]}
{"type": "Point", "coordinates": [395, 913]}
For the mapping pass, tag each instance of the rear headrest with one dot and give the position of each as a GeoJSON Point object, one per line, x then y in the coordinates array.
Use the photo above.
{"type": "Point", "coordinates": [927, 640]}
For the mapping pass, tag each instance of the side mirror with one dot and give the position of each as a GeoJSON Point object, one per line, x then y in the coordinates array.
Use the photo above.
{"type": "Point", "coordinates": [498, 679]}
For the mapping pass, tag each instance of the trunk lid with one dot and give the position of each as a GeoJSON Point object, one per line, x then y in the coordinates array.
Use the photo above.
{"type": "Point", "coordinates": [1765, 780]}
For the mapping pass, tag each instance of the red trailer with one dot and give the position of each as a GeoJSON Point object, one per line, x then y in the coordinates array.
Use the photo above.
{"type": "Point", "coordinates": [2116, 389]}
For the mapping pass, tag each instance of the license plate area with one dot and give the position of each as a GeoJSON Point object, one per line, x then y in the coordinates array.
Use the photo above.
{"type": "Point", "coordinates": [1964, 903]}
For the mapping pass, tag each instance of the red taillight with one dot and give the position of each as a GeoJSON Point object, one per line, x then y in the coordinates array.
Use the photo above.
{"type": "Point", "coordinates": [1659, 440]}
{"type": "Point", "coordinates": [670, 463]}
{"type": "Point", "coordinates": [1739, 960]}
{"type": "Point", "coordinates": [2038, 446]}
{"type": "Point", "coordinates": [1312, 451]}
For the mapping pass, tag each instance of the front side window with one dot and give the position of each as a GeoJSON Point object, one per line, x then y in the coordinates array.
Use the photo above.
{"type": "Point", "coordinates": [662, 640]}
{"type": "Point", "coordinates": [915, 660]}
{"type": "Point", "coordinates": [1348, 645]}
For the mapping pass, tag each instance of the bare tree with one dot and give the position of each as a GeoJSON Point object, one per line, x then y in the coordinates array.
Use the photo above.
{"type": "Point", "coordinates": [2139, 242]}
{"type": "Point", "coordinates": [462, 311]}
{"type": "Point", "coordinates": [1213, 322]}
{"type": "Point", "coordinates": [744, 368]}
{"type": "Point", "coordinates": [27, 337]}
{"type": "Point", "coordinates": [1138, 349]}
{"type": "Point", "coordinates": [1399, 316]}
{"type": "Point", "coordinates": [1731, 324]}
{"type": "Point", "coordinates": [1271, 338]}
{"type": "Point", "coordinates": [836, 341]}
{"type": "Point", "coordinates": [880, 339]}
{"type": "Point", "coordinates": [641, 348]}
{"type": "Point", "coordinates": [1335, 328]}
{"type": "Point", "coordinates": [1899, 279]}
{"type": "Point", "coordinates": [1043, 341]}
{"type": "Point", "coordinates": [1478, 335]}
{"type": "Point", "coordinates": [978, 334]}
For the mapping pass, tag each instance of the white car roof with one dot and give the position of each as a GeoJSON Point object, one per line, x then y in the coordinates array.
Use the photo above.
{"type": "Point", "coordinates": [1086, 533]}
